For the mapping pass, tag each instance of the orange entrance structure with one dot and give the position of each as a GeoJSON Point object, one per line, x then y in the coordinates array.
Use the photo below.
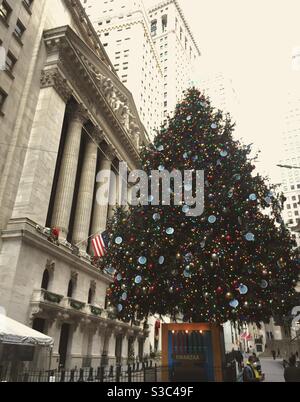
{"type": "Point", "coordinates": [193, 352]}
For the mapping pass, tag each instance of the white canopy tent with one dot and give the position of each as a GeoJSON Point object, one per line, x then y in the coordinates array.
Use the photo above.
{"type": "Point", "coordinates": [14, 333]}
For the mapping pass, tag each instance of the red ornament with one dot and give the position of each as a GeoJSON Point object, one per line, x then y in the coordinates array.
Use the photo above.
{"type": "Point", "coordinates": [228, 238]}
{"type": "Point", "coordinates": [55, 232]}
{"type": "Point", "coordinates": [219, 290]}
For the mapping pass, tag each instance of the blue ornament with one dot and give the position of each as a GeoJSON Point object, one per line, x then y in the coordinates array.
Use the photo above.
{"type": "Point", "coordinates": [138, 279]}
{"type": "Point", "coordinates": [110, 270]}
{"type": "Point", "coordinates": [170, 231]}
{"type": "Point", "coordinates": [142, 260]}
{"type": "Point", "coordinates": [214, 126]}
{"type": "Point", "coordinates": [223, 154]}
{"type": "Point", "coordinates": [189, 118]}
{"type": "Point", "coordinates": [119, 277]}
{"type": "Point", "coordinates": [195, 158]}
{"type": "Point", "coordinates": [124, 296]}
{"type": "Point", "coordinates": [160, 148]}
{"type": "Point", "coordinates": [185, 209]}
{"type": "Point", "coordinates": [161, 168]}
{"type": "Point", "coordinates": [188, 257]}
{"type": "Point", "coordinates": [250, 236]}
{"type": "Point", "coordinates": [150, 198]}
{"type": "Point", "coordinates": [234, 303]}
{"type": "Point", "coordinates": [264, 284]}
{"type": "Point", "coordinates": [187, 274]}
{"type": "Point", "coordinates": [212, 219]}
{"type": "Point", "coordinates": [230, 193]}
{"type": "Point", "coordinates": [119, 240]}
{"type": "Point", "coordinates": [120, 308]}
{"type": "Point", "coordinates": [156, 217]}
{"type": "Point", "coordinates": [185, 155]}
{"type": "Point", "coordinates": [252, 197]}
{"type": "Point", "coordinates": [243, 289]}
{"type": "Point", "coordinates": [237, 177]}
{"type": "Point", "coordinates": [161, 260]}
{"type": "Point", "coordinates": [268, 200]}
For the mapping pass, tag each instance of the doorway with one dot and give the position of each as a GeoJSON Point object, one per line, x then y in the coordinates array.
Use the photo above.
{"type": "Point", "coordinates": [63, 345]}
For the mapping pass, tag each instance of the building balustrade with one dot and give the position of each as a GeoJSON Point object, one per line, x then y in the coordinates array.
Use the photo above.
{"type": "Point", "coordinates": [53, 301]}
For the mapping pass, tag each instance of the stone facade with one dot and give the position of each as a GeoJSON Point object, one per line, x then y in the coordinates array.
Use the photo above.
{"type": "Point", "coordinates": [66, 116]}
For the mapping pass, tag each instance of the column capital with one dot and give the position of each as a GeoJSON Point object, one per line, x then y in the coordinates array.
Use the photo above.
{"type": "Point", "coordinates": [110, 153]}
{"type": "Point", "coordinates": [54, 78]}
{"type": "Point", "coordinates": [98, 134]}
{"type": "Point", "coordinates": [78, 113]}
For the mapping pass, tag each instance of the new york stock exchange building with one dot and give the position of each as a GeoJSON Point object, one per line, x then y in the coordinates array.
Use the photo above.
{"type": "Point", "coordinates": [65, 116]}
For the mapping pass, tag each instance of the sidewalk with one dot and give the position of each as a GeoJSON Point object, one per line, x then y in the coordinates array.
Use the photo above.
{"type": "Point", "coordinates": [273, 369]}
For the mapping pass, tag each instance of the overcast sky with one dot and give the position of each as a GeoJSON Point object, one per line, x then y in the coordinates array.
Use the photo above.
{"type": "Point", "coordinates": [251, 42]}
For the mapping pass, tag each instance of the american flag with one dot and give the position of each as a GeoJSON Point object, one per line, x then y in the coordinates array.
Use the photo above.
{"type": "Point", "coordinates": [100, 244]}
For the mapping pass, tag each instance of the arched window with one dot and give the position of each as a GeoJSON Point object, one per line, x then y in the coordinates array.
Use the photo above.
{"type": "Point", "coordinates": [70, 289]}
{"type": "Point", "coordinates": [45, 280]}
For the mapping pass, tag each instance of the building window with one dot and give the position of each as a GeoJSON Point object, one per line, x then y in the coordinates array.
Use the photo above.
{"type": "Point", "coordinates": [181, 33]}
{"type": "Point", "coordinates": [296, 213]}
{"type": "Point", "coordinates": [3, 96]}
{"type": "Point", "coordinates": [45, 280]}
{"type": "Point", "coordinates": [288, 206]}
{"type": "Point", "coordinates": [70, 288]}
{"type": "Point", "coordinates": [28, 4]}
{"type": "Point", "coordinates": [164, 21]}
{"type": "Point", "coordinates": [19, 29]}
{"type": "Point", "coordinates": [153, 27]}
{"type": "Point", "coordinates": [10, 62]}
{"type": "Point", "coordinates": [295, 206]}
{"type": "Point", "coordinates": [5, 11]}
{"type": "Point", "coordinates": [294, 198]}
{"type": "Point", "coordinates": [292, 187]}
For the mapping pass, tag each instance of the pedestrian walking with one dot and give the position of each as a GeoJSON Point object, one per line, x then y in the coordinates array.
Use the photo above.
{"type": "Point", "coordinates": [250, 372]}
{"type": "Point", "coordinates": [292, 373]}
{"type": "Point", "coordinates": [274, 354]}
{"type": "Point", "coordinates": [278, 353]}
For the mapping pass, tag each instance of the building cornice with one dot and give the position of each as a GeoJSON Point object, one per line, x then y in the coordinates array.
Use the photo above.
{"type": "Point", "coordinates": [87, 30]}
{"type": "Point", "coordinates": [186, 24]}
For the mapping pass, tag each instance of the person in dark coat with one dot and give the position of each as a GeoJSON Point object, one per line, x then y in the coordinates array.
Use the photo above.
{"type": "Point", "coordinates": [274, 354]}
{"type": "Point", "coordinates": [292, 373]}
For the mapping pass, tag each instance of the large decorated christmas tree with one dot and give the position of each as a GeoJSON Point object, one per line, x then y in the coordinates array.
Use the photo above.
{"type": "Point", "coordinates": [233, 262]}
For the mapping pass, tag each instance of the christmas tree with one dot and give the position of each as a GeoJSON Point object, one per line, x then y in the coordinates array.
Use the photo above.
{"type": "Point", "coordinates": [233, 262]}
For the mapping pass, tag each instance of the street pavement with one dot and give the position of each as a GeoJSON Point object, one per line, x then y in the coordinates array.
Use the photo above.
{"type": "Point", "coordinates": [273, 369]}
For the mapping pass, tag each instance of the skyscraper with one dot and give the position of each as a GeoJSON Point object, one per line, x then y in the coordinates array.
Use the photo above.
{"type": "Point", "coordinates": [291, 157]}
{"type": "Point", "coordinates": [177, 49]}
{"type": "Point", "coordinates": [123, 28]}
{"type": "Point", "coordinates": [154, 52]}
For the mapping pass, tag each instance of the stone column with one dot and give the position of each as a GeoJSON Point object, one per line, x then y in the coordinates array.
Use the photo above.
{"type": "Point", "coordinates": [53, 330]}
{"type": "Point", "coordinates": [99, 219]}
{"type": "Point", "coordinates": [32, 200]}
{"type": "Point", "coordinates": [85, 196]}
{"type": "Point", "coordinates": [68, 171]}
